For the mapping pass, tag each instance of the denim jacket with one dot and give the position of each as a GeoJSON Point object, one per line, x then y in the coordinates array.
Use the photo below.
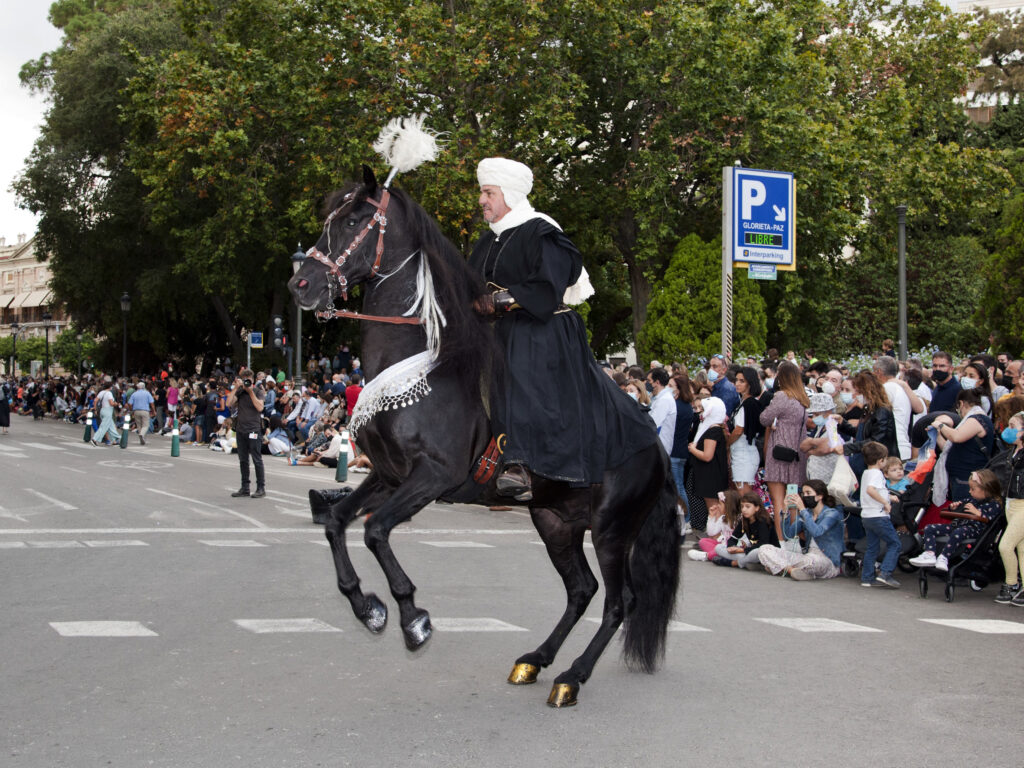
{"type": "Point", "coordinates": [827, 530]}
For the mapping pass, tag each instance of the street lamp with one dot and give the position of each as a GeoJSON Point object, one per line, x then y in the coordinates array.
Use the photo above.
{"type": "Point", "coordinates": [126, 306]}
{"type": "Point", "coordinates": [14, 354]}
{"type": "Point", "coordinates": [298, 258]}
{"type": "Point", "coordinates": [79, 354]}
{"type": "Point", "coordinates": [46, 330]}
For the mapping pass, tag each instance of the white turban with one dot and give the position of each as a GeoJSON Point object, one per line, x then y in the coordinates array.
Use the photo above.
{"type": "Point", "coordinates": [514, 178]}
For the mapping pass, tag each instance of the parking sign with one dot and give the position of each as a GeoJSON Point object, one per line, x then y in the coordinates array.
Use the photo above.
{"type": "Point", "coordinates": [759, 217]}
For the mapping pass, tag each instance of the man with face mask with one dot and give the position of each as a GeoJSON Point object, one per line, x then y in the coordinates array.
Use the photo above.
{"type": "Point", "coordinates": [721, 387]}
{"type": "Point", "coordinates": [556, 413]}
{"type": "Point", "coordinates": [946, 386]}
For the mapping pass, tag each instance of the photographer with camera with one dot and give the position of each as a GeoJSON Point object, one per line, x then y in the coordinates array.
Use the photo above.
{"type": "Point", "coordinates": [248, 399]}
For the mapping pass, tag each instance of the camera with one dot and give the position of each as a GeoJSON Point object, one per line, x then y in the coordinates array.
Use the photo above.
{"type": "Point", "coordinates": [247, 383]}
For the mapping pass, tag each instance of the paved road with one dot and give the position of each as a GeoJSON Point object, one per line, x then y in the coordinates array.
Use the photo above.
{"type": "Point", "coordinates": [150, 619]}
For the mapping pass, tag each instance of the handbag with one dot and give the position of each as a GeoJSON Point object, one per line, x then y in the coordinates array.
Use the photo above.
{"type": "Point", "coordinates": [843, 483]}
{"type": "Point", "coordinates": [784, 454]}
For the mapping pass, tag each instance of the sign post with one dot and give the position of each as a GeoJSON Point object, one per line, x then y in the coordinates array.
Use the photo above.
{"type": "Point", "coordinates": [758, 228]}
{"type": "Point", "coordinates": [255, 341]}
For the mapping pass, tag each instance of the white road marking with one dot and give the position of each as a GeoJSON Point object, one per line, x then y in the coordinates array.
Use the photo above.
{"type": "Point", "coordinates": [349, 544]}
{"type": "Point", "coordinates": [12, 545]}
{"type": "Point", "coordinates": [54, 544]}
{"type": "Point", "coordinates": [819, 625]}
{"type": "Point", "coordinates": [99, 543]}
{"type": "Point", "coordinates": [287, 495]}
{"type": "Point", "coordinates": [250, 531]}
{"type": "Point", "coordinates": [475, 625]}
{"type": "Point", "coordinates": [673, 626]}
{"type": "Point", "coordinates": [266, 626]}
{"type": "Point", "coordinates": [232, 543]}
{"type": "Point", "coordinates": [984, 626]}
{"type": "Point", "coordinates": [458, 544]}
{"type": "Point", "coordinates": [102, 629]}
{"type": "Point", "coordinates": [294, 512]}
{"type": "Point", "coordinates": [72, 469]}
{"type": "Point", "coordinates": [13, 455]}
{"type": "Point", "coordinates": [43, 446]}
{"type": "Point", "coordinates": [55, 502]}
{"type": "Point", "coordinates": [8, 449]}
{"type": "Point", "coordinates": [248, 519]}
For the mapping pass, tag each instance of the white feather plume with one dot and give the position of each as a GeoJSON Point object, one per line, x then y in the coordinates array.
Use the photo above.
{"type": "Point", "coordinates": [405, 144]}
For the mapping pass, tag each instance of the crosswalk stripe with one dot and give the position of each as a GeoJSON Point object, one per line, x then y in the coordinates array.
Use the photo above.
{"type": "Point", "coordinates": [349, 543]}
{"type": "Point", "coordinates": [232, 543]}
{"type": "Point", "coordinates": [482, 624]}
{"type": "Point", "coordinates": [102, 629]}
{"type": "Point", "coordinates": [673, 626]}
{"type": "Point", "coordinates": [54, 544]}
{"type": "Point", "coordinates": [44, 446]}
{"type": "Point", "coordinates": [268, 626]}
{"type": "Point", "coordinates": [457, 544]}
{"type": "Point", "coordinates": [55, 502]}
{"type": "Point", "coordinates": [13, 545]}
{"type": "Point", "coordinates": [99, 543]}
{"type": "Point", "coordinates": [819, 625]}
{"type": "Point", "coordinates": [984, 626]}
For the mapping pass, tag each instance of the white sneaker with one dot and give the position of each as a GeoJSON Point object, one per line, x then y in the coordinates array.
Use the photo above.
{"type": "Point", "coordinates": [686, 529]}
{"type": "Point", "coordinates": [698, 555]}
{"type": "Point", "coordinates": [924, 560]}
{"type": "Point", "coordinates": [942, 563]}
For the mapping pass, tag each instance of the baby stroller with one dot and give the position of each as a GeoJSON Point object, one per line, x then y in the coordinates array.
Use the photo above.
{"type": "Point", "coordinates": [975, 563]}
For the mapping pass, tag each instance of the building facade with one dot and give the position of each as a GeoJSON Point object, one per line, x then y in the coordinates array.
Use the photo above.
{"type": "Point", "coordinates": [25, 292]}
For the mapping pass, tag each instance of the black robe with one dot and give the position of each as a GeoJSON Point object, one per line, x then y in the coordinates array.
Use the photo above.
{"type": "Point", "coordinates": [562, 415]}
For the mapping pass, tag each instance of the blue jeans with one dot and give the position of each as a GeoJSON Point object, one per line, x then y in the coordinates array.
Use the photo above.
{"type": "Point", "coordinates": [879, 529]}
{"type": "Point", "coordinates": [679, 474]}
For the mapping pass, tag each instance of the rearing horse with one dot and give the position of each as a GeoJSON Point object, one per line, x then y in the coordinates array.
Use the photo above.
{"type": "Point", "coordinates": [422, 339]}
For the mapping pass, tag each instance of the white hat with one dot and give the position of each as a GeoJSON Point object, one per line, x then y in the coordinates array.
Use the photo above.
{"type": "Point", "coordinates": [514, 178]}
{"type": "Point", "coordinates": [820, 402]}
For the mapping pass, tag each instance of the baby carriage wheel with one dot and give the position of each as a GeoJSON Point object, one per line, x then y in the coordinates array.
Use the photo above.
{"type": "Point", "coordinates": [976, 586]}
{"type": "Point", "coordinates": [922, 586]}
{"type": "Point", "coordinates": [949, 593]}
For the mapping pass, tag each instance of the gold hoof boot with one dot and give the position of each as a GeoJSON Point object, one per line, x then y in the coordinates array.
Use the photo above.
{"type": "Point", "coordinates": [523, 674]}
{"type": "Point", "coordinates": [563, 695]}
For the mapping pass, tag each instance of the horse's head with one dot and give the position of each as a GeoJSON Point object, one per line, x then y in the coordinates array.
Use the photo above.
{"type": "Point", "coordinates": [352, 247]}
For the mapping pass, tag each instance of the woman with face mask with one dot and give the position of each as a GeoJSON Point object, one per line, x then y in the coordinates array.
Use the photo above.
{"type": "Point", "coordinates": [877, 423]}
{"type": "Point", "coordinates": [814, 514]}
{"type": "Point", "coordinates": [821, 459]}
{"type": "Point", "coordinates": [969, 443]}
{"type": "Point", "coordinates": [975, 377]}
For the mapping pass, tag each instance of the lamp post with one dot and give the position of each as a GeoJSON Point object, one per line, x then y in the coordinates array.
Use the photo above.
{"type": "Point", "coordinates": [901, 221]}
{"type": "Point", "coordinates": [14, 353]}
{"type": "Point", "coordinates": [298, 258]}
{"type": "Point", "coordinates": [80, 354]}
{"type": "Point", "coordinates": [46, 331]}
{"type": "Point", "coordinates": [126, 306]}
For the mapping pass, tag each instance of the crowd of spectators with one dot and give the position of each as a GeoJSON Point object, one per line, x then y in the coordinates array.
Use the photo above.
{"type": "Point", "coordinates": [755, 447]}
{"type": "Point", "coordinates": [301, 421]}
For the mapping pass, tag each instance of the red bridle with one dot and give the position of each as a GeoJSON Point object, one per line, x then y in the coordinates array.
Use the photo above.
{"type": "Point", "coordinates": [334, 267]}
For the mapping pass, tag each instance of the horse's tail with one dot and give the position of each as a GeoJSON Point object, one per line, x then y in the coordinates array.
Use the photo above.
{"type": "Point", "coordinates": [654, 565]}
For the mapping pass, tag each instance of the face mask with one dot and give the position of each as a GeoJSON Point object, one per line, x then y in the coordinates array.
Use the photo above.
{"type": "Point", "coordinates": [634, 395]}
{"type": "Point", "coordinates": [966, 383]}
{"type": "Point", "coordinates": [1009, 435]}
{"type": "Point", "coordinates": [649, 387]}
{"type": "Point", "coordinates": [770, 383]}
{"type": "Point", "coordinates": [859, 399]}
{"type": "Point", "coordinates": [819, 421]}
{"type": "Point", "coordinates": [846, 397]}
{"type": "Point", "coordinates": [712, 375]}
{"type": "Point", "coordinates": [810, 502]}
{"type": "Point", "coordinates": [828, 388]}
{"type": "Point", "coordinates": [940, 376]}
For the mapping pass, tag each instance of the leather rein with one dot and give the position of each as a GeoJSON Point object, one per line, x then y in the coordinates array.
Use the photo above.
{"type": "Point", "coordinates": [334, 267]}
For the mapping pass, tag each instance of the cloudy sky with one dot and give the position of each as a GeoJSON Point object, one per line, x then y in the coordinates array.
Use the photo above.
{"type": "Point", "coordinates": [27, 35]}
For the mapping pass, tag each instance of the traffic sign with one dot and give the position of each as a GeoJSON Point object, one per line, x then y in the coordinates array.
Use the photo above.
{"type": "Point", "coordinates": [759, 217]}
{"type": "Point", "coordinates": [256, 339]}
{"type": "Point", "coordinates": [762, 272]}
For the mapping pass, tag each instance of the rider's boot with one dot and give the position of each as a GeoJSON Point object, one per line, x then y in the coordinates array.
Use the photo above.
{"type": "Point", "coordinates": [515, 481]}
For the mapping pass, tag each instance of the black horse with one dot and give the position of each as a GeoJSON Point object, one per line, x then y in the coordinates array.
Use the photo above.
{"type": "Point", "coordinates": [412, 277]}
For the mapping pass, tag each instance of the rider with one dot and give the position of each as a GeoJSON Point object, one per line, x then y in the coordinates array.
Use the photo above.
{"type": "Point", "coordinates": [562, 417]}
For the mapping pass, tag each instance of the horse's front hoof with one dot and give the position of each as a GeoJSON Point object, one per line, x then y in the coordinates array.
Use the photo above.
{"type": "Point", "coordinates": [523, 674]}
{"type": "Point", "coordinates": [375, 614]}
{"type": "Point", "coordinates": [417, 631]}
{"type": "Point", "coordinates": [563, 695]}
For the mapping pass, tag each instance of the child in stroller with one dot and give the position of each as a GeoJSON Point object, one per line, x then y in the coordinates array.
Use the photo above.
{"type": "Point", "coordinates": [969, 521]}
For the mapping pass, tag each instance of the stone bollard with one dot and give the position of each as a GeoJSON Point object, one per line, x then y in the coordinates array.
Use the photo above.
{"type": "Point", "coordinates": [175, 445]}
{"type": "Point", "coordinates": [127, 427]}
{"type": "Point", "coordinates": [88, 428]}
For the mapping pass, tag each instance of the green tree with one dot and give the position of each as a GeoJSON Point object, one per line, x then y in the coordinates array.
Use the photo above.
{"type": "Point", "coordinates": [683, 318]}
{"type": "Point", "coordinates": [1002, 305]}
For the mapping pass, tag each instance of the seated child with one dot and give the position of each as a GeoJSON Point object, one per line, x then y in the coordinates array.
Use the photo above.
{"type": "Point", "coordinates": [753, 529]}
{"type": "Point", "coordinates": [722, 518]}
{"type": "Point", "coordinates": [984, 506]}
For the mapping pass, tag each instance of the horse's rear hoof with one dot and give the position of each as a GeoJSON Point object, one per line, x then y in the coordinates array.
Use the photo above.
{"type": "Point", "coordinates": [417, 631]}
{"type": "Point", "coordinates": [523, 674]}
{"type": "Point", "coordinates": [375, 614]}
{"type": "Point", "coordinates": [563, 695]}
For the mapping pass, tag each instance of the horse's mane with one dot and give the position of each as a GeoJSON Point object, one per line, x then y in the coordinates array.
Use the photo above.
{"type": "Point", "coordinates": [466, 340]}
